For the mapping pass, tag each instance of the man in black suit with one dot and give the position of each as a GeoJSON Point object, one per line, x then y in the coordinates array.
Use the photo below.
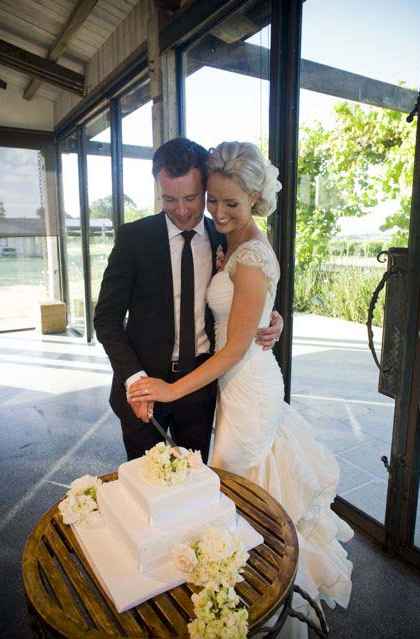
{"type": "Point", "coordinates": [158, 272]}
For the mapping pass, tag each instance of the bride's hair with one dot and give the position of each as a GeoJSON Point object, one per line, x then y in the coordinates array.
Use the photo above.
{"type": "Point", "coordinates": [244, 163]}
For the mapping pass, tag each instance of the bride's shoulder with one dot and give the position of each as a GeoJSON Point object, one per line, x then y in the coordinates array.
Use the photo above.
{"type": "Point", "coordinates": [256, 252]}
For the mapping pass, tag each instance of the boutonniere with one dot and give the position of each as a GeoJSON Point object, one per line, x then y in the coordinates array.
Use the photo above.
{"type": "Point", "coordinates": [220, 258]}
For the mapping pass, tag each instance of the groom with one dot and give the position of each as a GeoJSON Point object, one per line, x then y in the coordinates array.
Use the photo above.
{"type": "Point", "coordinates": [158, 273]}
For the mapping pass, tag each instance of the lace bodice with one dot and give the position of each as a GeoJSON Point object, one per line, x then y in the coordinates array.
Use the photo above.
{"type": "Point", "coordinates": [220, 292]}
{"type": "Point", "coordinates": [256, 253]}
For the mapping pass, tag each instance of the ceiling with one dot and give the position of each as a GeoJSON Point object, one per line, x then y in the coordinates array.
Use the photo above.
{"type": "Point", "coordinates": [36, 25]}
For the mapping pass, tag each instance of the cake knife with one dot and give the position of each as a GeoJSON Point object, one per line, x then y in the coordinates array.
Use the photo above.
{"type": "Point", "coordinates": [165, 435]}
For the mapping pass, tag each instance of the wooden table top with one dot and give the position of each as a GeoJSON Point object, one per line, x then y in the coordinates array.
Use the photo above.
{"type": "Point", "coordinates": [66, 595]}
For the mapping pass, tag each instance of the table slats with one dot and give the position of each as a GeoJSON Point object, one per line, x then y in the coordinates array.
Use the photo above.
{"type": "Point", "coordinates": [90, 600]}
{"type": "Point", "coordinates": [60, 587]}
{"type": "Point", "coordinates": [66, 594]}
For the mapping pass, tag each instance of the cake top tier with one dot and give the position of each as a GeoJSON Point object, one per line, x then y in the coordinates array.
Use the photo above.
{"type": "Point", "coordinates": [165, 465]}
{"type": "Point", "coordinates": [169, 503]}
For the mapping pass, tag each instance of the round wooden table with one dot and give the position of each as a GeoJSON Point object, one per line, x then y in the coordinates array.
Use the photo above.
{"type": "Point", "coordinates": [67, 599]}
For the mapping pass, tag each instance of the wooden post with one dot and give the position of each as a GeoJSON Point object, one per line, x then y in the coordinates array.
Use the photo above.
{"type": "Point", "coordinates": [169, 96]}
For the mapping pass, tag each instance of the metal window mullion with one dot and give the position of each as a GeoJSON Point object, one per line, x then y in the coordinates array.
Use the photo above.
{"type": "Point", "coordinates": [117, 164]}
{"type": "Point", "coordinates": [62, 249]}
{"type": "Point", "coordinates": [402, 496]}
{"type": "Point", "coordinates": [285, 52]}
{"type": "Point", "coordinates": [84, 229]}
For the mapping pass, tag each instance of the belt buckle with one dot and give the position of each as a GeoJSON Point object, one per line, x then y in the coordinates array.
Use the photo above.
{"type": "Point", "coordinates": [175, 367]}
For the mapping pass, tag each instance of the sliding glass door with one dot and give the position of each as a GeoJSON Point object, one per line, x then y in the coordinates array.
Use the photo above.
{"type": "Point", "coordinates": [24, 244]}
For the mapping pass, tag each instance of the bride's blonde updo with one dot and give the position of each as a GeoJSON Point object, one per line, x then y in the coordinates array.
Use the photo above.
{"type": "Point", "coordinates": [244, 163]}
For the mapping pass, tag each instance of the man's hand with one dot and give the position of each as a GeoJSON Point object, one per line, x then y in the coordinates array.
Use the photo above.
{"type": "Point", "coordinates": [267, 337]}
{"type": "Point", "coordinates": [142, 409]}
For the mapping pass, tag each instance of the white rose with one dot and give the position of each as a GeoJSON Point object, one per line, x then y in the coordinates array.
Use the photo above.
{"type": "Point", "coordinates": [217, 544]}
{"type": "Point", "coordinates": [82, 484]}
{"type": "Point", "coordinates": [68, 511]}
{"type": "Point", "coordinates": [184, 558]}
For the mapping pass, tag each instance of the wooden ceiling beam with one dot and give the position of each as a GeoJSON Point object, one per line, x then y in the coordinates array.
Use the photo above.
{"type": "Point", "coordinates": [48, 71]}
{"type": "Point", "coordinates": [254, 61]}
{"type": "Point", "coordinates": [79, 15]}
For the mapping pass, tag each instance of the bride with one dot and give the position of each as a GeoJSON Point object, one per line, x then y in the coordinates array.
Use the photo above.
{"type": "Point", "coordinates": [258, 435]}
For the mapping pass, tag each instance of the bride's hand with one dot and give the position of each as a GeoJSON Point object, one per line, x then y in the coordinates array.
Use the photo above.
{"type": "Point", "coordinates": [151, 390]}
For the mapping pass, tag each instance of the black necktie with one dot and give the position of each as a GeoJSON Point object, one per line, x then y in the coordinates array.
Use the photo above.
{"type": "Point", "coordinates": [186, 316]}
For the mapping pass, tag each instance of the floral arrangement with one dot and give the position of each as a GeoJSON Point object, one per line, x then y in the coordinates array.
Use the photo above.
{"type": "Point", "coordinates": [215, 561]}
{"type": "Point", "coordinates": [168, 466]}
{"type": "Point", "coordinates": [81, 500]}
{"type": "Point", "coordinates": [218, 614]}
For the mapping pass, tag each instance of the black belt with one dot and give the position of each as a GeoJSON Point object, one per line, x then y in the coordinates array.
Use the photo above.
{"type": "Point", "coordinates": [176, 367]}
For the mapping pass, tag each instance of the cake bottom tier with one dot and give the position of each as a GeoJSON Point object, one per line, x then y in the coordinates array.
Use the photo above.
{"type": "Point", "coordinates": [118, 574]}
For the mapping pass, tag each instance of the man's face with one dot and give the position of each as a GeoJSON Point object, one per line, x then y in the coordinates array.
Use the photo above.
{"type": "Point", "coordinates": [182, 198]}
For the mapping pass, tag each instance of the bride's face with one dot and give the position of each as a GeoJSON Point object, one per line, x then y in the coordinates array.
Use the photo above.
{"type": "Point", "coordinates": [229, 205]}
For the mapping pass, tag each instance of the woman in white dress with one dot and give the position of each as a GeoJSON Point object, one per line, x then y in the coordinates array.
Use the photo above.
{"type": "Point", "coordinates": [258, 435]}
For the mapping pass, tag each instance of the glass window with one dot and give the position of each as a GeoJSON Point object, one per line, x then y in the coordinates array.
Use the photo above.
{"type": "Point", "coordinates": [354, 191]}
{"type": "Point", "coordinates": [137, 139]}
{"type": "Point", "coordinates": [69, 154]}
{"type": "Point", "coordinates": [23, 242]}
{"type": "Point", "coordinates": [99, 187]}
{"type": "Point", "coordinates": [227, 82]}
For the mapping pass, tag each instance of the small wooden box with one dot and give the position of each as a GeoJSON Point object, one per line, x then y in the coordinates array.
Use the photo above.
{"type": "Point", "coordinates": [53, 317]}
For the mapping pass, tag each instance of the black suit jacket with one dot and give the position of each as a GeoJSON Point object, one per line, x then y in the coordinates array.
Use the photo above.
{"type": "Point", "coordinates": [138, 280]}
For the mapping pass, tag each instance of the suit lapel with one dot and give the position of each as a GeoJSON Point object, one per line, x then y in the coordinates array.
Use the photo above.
{"type": "Point", "coordinates": [162, 244]}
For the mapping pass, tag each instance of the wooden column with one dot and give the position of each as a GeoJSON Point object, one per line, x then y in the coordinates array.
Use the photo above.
{"type": "Point", "coordinates": [169, 96]}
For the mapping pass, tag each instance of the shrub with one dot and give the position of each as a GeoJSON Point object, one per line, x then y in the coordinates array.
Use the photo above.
{"type": "Point", "coordinates": [343, 293]}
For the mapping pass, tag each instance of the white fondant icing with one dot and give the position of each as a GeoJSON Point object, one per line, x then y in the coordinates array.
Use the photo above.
{"type": "Point", "coordinates": [150, 544]}
{"type": "Point", "coordinates": [170, 505]}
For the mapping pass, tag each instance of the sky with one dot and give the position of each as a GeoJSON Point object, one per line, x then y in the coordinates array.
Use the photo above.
{"type": "Point", "coordinates": [378, 39]}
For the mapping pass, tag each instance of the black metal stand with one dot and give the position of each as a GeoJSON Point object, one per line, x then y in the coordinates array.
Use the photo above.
{"type": "Point", "coordinates": [272, 632]}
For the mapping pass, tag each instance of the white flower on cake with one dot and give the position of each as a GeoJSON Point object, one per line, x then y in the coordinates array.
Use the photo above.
{"type": "Point", "coordinates": [166, 465]}
{"type": "Point", "coordinates": [219, 615]}
{"type": "Point", "coordinates": [219, 559]}
{"type": "Point", "coordinates": [80, 501]}
{"type": "Point", "coordinates": [185, 558]}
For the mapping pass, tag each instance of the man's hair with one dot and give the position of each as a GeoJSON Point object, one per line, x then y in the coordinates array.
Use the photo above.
{"type": "Point", "coordinates": [179, 156]}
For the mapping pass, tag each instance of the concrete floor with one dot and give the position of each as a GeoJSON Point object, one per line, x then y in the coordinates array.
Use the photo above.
{"type": "Point", "coordinates": [334, 384]}
{"type": "Point", "coordinates": [55, 425]}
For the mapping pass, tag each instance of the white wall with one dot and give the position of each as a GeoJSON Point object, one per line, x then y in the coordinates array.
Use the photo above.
{"type": "Point", "coordinates": [37, 113]}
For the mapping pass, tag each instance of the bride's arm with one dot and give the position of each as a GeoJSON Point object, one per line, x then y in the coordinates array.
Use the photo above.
{"type": "Point", "coordinates": [250, 288]}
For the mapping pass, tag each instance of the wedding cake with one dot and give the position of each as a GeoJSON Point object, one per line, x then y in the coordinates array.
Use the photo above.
{"type": "Point", "coordinates": [150, 518]}
{"type": "Point", "coordinates": [129, 528]}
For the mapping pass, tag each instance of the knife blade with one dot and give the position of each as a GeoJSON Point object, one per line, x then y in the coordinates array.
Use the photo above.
{"type": "Point", "coordinates": [165, 435]}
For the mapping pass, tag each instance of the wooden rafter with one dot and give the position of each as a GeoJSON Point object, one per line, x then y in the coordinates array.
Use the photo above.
{"type": "Point", "coordinates": [26, 62]}
{"type": "Point", "coordinates": [76, 20]}
{"type": "Point", "coordinates": [254, 61]}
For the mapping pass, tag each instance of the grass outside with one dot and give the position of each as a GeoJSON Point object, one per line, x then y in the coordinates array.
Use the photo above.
{"type": "Point", "coordinates": [333, 290]}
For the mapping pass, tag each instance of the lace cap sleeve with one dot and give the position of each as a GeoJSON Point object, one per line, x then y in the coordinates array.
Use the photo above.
{"type": "Point", "coordinates": [256, 253]}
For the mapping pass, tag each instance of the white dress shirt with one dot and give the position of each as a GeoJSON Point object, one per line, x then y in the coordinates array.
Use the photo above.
{"type": "Point", "coordinates": [202, 257]}
{"type": "Point", "coordinates": [203, 267]}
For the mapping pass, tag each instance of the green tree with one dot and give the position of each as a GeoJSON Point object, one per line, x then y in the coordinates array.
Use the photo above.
{"type": "Point", "coordinates": [366, 159]}
{"type": "Point", "coordinates": [102, 208]}
{"type": "Point", "coordinates": [315, 219]}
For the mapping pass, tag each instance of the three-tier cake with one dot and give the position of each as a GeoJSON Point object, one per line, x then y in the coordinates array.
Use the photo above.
{"type": "Point", "coordinates": [142, 521]}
